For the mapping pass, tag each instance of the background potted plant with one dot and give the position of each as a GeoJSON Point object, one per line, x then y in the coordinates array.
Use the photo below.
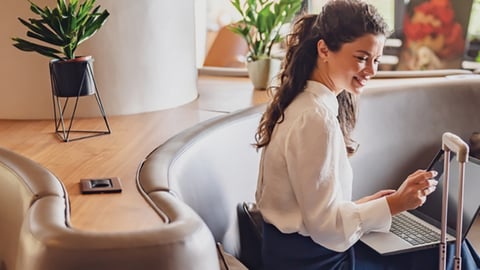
{"type": "Point", "coordinates": [57, 34]}
{"type": "Point", "coordinates": [260, 25]}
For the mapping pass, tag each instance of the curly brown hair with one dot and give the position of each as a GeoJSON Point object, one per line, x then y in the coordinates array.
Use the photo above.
{"type": "Point", "coordinates": [332, 26]}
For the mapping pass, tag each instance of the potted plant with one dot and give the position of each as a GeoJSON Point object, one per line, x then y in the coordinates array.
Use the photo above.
{"type": "Point", "coordinates": [57, 33]}
{"type": "Point", "coordinates": [260, 25]}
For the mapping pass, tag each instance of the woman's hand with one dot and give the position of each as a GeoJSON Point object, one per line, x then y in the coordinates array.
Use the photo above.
{"type": "Point", "coordinates": [377, 195]}
{"type": "Point", "coordinates": [413, 192]}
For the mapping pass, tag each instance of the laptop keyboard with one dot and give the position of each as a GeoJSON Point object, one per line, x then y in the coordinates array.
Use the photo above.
{"type": "Point", "coordinates": [412, 231]}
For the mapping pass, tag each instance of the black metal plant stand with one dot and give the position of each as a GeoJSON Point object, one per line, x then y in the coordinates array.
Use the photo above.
{"type": "Point", "coordinates": [63, 126]}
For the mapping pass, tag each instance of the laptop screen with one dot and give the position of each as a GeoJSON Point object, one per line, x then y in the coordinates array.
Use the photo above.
{"type": "Point", "coordinates": [433, 206]}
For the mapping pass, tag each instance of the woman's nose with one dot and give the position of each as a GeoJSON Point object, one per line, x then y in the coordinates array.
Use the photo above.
{"type": "Point", "coordinates": [370, 69]}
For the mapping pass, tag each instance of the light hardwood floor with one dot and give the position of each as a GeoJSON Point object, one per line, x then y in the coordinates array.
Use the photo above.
{"type": "Point", "coordinates": [120, 153]}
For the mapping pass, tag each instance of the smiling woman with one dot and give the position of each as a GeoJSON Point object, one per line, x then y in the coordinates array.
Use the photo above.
{"type": "Point", "coordinates": [305, 138]}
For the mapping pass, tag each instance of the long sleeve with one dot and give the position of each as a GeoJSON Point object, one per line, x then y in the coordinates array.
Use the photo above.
{"type": "Point", "coordinates": [320, 176]}
{"type": "Point", "coordinates": [306, 182]}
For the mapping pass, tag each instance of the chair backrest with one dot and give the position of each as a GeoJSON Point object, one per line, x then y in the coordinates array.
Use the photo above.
{"type": "Point", "coordinates": [400, 126]}
{"type": "Point", "coordinates": [17, 196]}
{"type": "Point", "coordinates": [401, 74]}
{"type": "Point", "coordinates": [35, 231]}
{"type": "Point", "coordinates": [212, 167]}
{"type": "Point", "coordinates": [228, 50]}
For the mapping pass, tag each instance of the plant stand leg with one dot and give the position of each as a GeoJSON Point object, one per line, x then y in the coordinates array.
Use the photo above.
{"type": "Point", "coordinates": [64, 129]}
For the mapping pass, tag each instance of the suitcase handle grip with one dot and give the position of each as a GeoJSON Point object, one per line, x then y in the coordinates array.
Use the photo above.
{"type": "Point", "coordinates": [454, 143]}
{"type": "Point", "coordinates": [451, 142]}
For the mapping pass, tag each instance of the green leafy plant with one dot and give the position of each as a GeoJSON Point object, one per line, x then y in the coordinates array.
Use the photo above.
{"type": "Point", "coordinates": [261, 22]}
{"type": "Point", "coordinates": [62, 29]}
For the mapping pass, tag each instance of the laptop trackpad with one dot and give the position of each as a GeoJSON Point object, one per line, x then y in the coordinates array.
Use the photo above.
{"type": "Point", "coordinates": [385, 243]}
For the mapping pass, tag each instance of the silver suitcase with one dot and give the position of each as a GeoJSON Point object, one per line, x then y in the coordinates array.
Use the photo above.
{"type": "Point", "coordinates": [451, 142]}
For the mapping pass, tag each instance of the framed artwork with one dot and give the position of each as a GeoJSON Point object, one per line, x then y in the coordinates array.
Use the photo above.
{"type": "Point", "coordinates": [434, 34]}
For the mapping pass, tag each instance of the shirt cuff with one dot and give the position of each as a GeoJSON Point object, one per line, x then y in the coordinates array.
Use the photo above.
{"type": "Point", "coordinates": [375, 215]}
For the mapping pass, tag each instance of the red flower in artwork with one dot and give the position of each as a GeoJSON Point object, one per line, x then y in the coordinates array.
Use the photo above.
{"type": "Point", "coordinates": [433, 25]}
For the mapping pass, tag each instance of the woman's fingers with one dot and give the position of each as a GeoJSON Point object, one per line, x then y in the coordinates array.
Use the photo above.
{"type": "Point", "coordinates": [414, 190]}
{"type": "Point", "coordinates": [426, 187]}
{"type": "Point", "coordinates": [421, 184]}
{"type": "Point", "coordinates": [425, 179]}
{"type": "Point", "coordinates": [416, 173]}
{"type": "Point", "coordinates": [432, 186]}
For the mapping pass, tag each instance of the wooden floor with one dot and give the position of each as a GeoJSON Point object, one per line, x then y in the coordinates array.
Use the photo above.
{"type": "Point", "coordinates": [120, 153]}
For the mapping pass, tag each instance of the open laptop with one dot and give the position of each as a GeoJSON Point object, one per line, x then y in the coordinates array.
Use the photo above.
{"type": "Point", "coordinates": [429, 214]}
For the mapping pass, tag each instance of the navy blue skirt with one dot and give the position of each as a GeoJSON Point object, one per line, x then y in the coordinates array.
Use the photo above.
{"type": "Point", "coordinates": [296, 252]}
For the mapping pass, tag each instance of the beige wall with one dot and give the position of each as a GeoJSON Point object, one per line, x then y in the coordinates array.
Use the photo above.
{"type": "Point", "coordinates": [144, 60]}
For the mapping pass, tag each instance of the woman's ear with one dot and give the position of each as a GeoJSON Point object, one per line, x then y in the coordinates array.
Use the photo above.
{"type": "Point", "coordinates": [322, 50]}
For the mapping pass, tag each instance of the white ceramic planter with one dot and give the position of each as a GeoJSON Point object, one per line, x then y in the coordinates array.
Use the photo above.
{"type": "Point", "coordinates": [263, 72]}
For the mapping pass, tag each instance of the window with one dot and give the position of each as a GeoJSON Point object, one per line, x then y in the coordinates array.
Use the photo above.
{"type": "Point", "coordinates": [473, 46]}
{"type": "Point", "coordinates": [474, 24]}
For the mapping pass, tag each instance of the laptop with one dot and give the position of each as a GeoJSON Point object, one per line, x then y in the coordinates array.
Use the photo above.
{"type": "Point", "coordinates": [429, 215]}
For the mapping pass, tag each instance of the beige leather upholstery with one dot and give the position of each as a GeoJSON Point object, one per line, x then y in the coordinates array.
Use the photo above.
{"type": "Point", "coordinates": [400, 126]}
{"type": "Point", "coordinates": [35, 233]}
{"type": "Point", "coordinates": [17, 196]}
{"type": "Point", "coordinates": [212, 166]}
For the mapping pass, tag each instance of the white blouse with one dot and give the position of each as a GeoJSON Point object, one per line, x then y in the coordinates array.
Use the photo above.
{"type": "Point", "coordinates": [305, 180]}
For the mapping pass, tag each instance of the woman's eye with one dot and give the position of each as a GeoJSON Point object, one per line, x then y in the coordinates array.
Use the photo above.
{"type": "Point", "coordinates": [361, 58]}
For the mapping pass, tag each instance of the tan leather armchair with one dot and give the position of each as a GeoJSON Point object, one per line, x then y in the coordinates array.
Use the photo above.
{"type": "Point", "coordinates": [35, 229]}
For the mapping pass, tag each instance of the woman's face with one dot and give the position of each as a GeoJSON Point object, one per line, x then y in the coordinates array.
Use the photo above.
{"type": "Point", "coordinates": [352, 66]}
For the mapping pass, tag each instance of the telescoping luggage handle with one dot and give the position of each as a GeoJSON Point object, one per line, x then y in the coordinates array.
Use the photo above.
{"type": "Point", "coordinates": [451, 142]}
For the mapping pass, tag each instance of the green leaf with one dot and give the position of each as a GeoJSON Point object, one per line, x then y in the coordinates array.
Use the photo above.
{"type": "Point", "coordinates": [62, 6]}
{"type": "Point", "coordinates": [92, 26]}
{"type": "Point", "coordinates": [264, 20]}
{"type": "Point", "coordinates": [236, 4]}
{"type": "Point", "coordinates": [27, 46]}
{"type": "Point", "coordinates": [65, 26]}
{"type": "Point", "coordinates": [36, 9]}
{"type": "Point", "coordinates": [46, 39]}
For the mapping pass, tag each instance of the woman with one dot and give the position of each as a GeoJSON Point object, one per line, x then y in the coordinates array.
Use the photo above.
{"type": "Point", "coordinates": [305, 181]}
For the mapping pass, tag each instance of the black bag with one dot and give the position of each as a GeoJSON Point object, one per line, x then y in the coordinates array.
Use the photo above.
{"type": "Point", "coordinates": [250, 225]}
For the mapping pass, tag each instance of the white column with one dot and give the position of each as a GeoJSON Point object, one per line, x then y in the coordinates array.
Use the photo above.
{"type": "Point", "coordinates": [200, 31]}
{"type": "Point", "coordinates": [144, 60]}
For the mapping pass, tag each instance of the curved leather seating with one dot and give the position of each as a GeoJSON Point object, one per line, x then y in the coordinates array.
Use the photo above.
{"type": "Point", "coordinates": [212, 166]}
{"type": "Point", "coordinates": [35, 231]}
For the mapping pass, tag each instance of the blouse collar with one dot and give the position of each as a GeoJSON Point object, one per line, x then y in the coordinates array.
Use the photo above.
{"type": "Point", "coordinates": [323, 94]}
